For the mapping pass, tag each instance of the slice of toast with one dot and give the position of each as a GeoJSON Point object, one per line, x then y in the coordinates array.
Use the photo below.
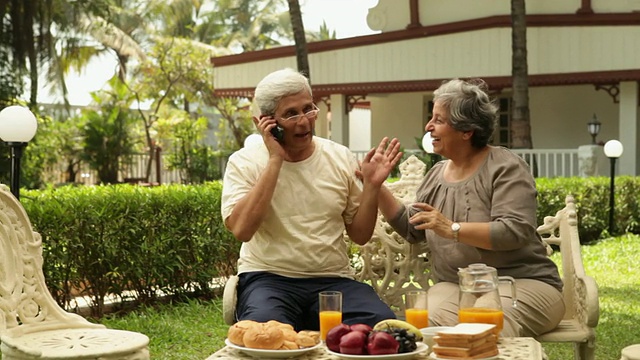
{"type": "Point", "coordinates": [487, 354]}
{"type": "Point", "coordinates": [465, 343]}
{"type": "Point", "coordinates": [461, 352]}
{"type": "Point", "coordinates": [467, 331]}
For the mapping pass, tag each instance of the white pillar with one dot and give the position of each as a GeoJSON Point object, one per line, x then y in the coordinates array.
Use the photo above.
{"type": "Point", "coordinates": [628, 128]}
{"type": "Point", "coordinates": [322, 123]}
{"type": "Point", "coordinates": [588, 160]}
{"type": "Point", "coordinates": [339, 119]}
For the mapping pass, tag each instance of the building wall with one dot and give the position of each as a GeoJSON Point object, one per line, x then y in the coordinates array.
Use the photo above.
{"type": "Point", "coordinates": [391, 15]}
{"type": "Point", "coordinates": [481, 53]}
{"type": "Point", "coordinates": [567, 110]}
{"type": "Point", "coordinates": [397, 115]}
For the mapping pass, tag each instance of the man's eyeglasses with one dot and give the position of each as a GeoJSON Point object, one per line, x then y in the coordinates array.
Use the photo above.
{"type": "Point", "coordinates": [311, 115]}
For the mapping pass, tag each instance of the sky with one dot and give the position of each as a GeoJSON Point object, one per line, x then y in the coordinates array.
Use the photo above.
{"type": "Point", "coordinates": [346, 17]}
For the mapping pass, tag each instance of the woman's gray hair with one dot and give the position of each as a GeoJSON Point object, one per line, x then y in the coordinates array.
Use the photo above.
{"type": "Point", "coordinates": [277, 85]}
{"type": "Point", "coordinates": [470, 108]}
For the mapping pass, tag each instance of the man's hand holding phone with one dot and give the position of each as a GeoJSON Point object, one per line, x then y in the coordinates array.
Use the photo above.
{"type": "Point", "coordinates": [268, 127]}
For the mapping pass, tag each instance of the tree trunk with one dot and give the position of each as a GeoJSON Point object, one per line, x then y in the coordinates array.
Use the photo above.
{"type": "Point", "coordinates": [302, 54]}
{"type": "Point", "coordinates": [520, 122]}
{"type": "Point", "coordinates": [31, 54]}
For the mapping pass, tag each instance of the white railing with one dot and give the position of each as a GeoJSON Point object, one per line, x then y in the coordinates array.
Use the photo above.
{"type": "Point", "coordinates": [542, 162]}
{"type": "Point", "coordinates": [551, 163]}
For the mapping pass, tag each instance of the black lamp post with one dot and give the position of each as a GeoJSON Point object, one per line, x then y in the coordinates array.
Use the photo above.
{"type": "Point", "coordinates": [18, 125]}
{"type": "Point", "coordinates": [613, 150]}
{"type": "Point", "coordinates": [594, 128]}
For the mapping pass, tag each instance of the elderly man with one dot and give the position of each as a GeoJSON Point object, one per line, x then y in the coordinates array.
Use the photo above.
{"type": "Point", "coordinates": [289, 200]}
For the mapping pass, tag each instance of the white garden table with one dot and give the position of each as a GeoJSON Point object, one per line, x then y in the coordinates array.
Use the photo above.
{"type": "Point", "coordinates": [521, 348]}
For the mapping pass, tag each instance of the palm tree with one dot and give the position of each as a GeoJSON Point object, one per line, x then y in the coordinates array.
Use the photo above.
{"type": "Point", "coordinates": [19, 33]}
{"type": "Point", "coordinates": [302, 53]}
{"type": "Point", "coordinates": [34, 45]}
{"type": "Point", "coordinates": [252, 25]}
{"type": "Point", "coordinates": [324, 33]}
{"type": "Point", "coordinates": [520, 121]}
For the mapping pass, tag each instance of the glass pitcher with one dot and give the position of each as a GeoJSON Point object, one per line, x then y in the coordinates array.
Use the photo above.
{"type": "Point", "coordinates": [479, 300]}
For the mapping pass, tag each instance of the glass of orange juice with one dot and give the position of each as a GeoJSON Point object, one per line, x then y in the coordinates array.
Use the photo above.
{"type": "Point", "coordinates": [416, 311]}
{"type": "Point", "coordinates": [482, 315]}
{"type": "Point", "coordinates": [330, 311]}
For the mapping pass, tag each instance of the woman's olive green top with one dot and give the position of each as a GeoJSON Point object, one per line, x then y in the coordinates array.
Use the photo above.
{"type": "Point", "coordinates": [501, 192]}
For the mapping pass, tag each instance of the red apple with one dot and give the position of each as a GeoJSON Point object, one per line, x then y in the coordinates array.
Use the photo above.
{"type": "Point", "coordinates": [362, 328]}
{"type": "Point", "coordinates": [334, 335]}
{"type": "Point", "coordinates": [354, 343]}
{"type": "Point", "coordinates": [381, 343]}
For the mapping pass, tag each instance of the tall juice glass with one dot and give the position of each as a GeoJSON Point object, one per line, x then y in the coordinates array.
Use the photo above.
{"type": "Point", "coordinates": [330, 308]}
{"type": "Point", "coordinates": [482, 315]}
{"type": "Point", "coordinates": [416, 311]}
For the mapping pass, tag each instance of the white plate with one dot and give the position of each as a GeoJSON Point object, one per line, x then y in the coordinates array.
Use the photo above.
{"type": "Point", "coordinates": [271, 354]}
{"type": "Point", "coordinates": [421, 348]}
{"type": "Point", "coordinates": [435, 357]}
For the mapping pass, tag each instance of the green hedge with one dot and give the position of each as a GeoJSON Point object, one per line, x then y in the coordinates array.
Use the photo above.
{"type": "Point", "coordinates": [592, 203]}
{"type": "Point", "coordinates": [106, 239]}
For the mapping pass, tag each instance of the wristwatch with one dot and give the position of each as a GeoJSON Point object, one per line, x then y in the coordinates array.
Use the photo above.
{"type": "Point", "coordinates": [455, 227]}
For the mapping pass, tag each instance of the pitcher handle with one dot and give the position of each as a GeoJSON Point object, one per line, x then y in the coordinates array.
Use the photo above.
{"type": "Point", "coordinates": [511, 280]}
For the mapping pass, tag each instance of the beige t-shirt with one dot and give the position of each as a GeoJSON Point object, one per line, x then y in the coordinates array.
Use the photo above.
{"type": "Point", "coordinates": [302, 234]}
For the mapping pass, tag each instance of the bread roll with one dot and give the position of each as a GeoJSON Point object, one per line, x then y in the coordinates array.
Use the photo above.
{"type": "Point", "coordinates": [314, 334]}
{"type": "Point", "coordinates": [289, 345]}
{"type": "Point", "coordinates": [280, 325]}
{"type": "Point", "coordinates": [289, 335]}
{"type": "Point", "coordinates": [305, 341]}
{"type": "Point", "coordinates": [263, 337]}
{"type": "Point", "coordinates": [237, 330]}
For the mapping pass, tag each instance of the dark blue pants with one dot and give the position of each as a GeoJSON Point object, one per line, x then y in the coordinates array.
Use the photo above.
{"type": "Point", "coordinates": [263, 296]}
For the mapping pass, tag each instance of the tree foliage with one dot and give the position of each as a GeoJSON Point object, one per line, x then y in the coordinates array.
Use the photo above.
{"type": "Point", "coordinates": [107, 132]}
{"type": "Point", "coordinates": [163, 49]}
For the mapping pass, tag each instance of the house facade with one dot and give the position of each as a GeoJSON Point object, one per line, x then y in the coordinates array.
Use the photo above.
{"type": "Point", "coordinates": [583, 59]}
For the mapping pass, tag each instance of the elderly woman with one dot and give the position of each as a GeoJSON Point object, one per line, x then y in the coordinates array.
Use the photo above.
{"type": "Point", "coordinates": [479, 206]}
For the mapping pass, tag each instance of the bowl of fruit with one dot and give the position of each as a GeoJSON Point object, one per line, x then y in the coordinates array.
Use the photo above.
{"type": "Point", "coordinates": [388, 339]}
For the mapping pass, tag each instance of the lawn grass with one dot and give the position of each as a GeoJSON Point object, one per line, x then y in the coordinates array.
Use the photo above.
{"type": "Point", "coordinates": [190, 330]}
{"type": "Point", "coordinates": [195, 329]}
{"type": "Point", "coordinates": [613, 264]}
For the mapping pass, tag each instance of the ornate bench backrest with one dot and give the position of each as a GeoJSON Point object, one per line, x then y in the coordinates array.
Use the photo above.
{"type": "Point", "coordinates": [562, 230]}
{"type": "Point", "coordinates": [388, 262]}
{"type": "Point", "coordinates": [25, 301]}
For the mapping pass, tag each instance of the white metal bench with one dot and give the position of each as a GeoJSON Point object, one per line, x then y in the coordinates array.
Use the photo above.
{"type": "Point", "coordinates": [32, 325]}
{"type": "Point", "coordinates": [393, 266]}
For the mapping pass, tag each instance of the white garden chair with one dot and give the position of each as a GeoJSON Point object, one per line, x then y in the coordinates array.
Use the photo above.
{"type": "Point", "coordinates": [32, 325]}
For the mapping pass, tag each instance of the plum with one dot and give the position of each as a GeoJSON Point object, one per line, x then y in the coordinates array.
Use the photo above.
{"type": "Point", "coordinates": [382, 343]}
{"type": "Point", "coordinates": [362, 328]}
{"type": "Point", "coordinates": [334, 335]}
{"type": "Point", "coordinates": [354, 343]}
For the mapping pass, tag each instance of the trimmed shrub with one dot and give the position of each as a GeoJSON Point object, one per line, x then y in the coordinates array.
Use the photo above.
{"type": "Point", "coordinates": [105, 240]}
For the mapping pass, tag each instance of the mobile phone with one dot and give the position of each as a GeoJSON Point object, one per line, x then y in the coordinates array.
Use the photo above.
{"type": "Point", "coordinates": [278, 133]}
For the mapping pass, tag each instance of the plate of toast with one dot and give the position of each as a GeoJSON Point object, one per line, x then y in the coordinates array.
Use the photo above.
{"type": "Point", "coordinates": [466, 341]}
